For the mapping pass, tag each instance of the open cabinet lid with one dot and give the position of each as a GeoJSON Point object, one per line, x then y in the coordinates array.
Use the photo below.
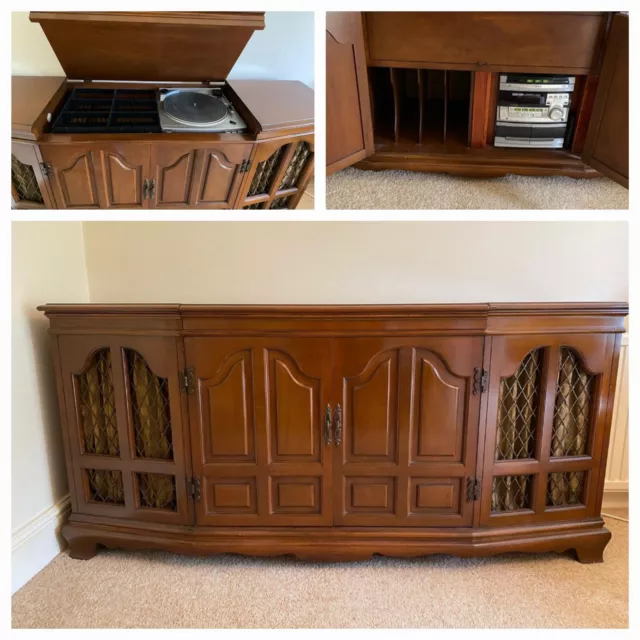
{"type": "Point", "coordinates": [162, 46]}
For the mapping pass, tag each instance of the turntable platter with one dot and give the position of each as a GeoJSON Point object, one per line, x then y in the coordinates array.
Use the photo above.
{"type": "Point", "coordinates": [194, 108]}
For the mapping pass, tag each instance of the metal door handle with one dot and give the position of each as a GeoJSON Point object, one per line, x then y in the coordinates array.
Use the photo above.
{"type": "Point", "coordinates": [337, 419]}
{"type": "Point", "coordinates": [327, 425]}
{"type": "Point", "coordinates": [152, 189]}
{"type": "Point", "coordinates": [145, 189]}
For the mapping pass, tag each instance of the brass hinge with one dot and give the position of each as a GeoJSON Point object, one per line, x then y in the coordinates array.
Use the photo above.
{"type": "Point", "coordinates": [193, 486]}
{"type": "Point", "coordinates": [473, 489]}
{"type": "Point", "coordinates": [45, 167]}
{"type": "Point", "coordinates": [188, 381]}
{"type": "Point", "coordinates": [480, 381]}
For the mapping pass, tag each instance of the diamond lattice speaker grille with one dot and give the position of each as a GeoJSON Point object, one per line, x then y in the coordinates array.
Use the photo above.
{"type": "Point", "coordinates": [518, 402]}
{"type": "Point", "coordinates": [572, 414]}
{"type": "Point", "coordinates": [24, 180]}
{"type": "Point", "coordinates": [97, 406]}
{"type": "Point", "coordinates": [511, 493]}
{"type": "Point", "coordinates": [150, 410]}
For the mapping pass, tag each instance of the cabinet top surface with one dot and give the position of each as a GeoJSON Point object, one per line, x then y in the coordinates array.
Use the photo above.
{"type": "Point", "coordinates": [469, 309]}
{"type": "Point", "coordinates": [276, 104]}
{"type": "Point", "coordinates": [338, 320]}
{"type": "Point", "coordinates": [148, 46]}
{"type": "Point", "coordinates": [30, 95]}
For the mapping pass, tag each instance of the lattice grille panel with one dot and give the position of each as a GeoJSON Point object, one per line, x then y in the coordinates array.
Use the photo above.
{"type": "Point", "coordinates": [299, 159]}
{"type": "Point", "coordinates": [97, 406]}
{"type": "Point", "coordinates": [280, 203]}
{"type": "Point", "coordinates": [511, 493]}
{"type": "Point", "coordinates": [265, 174]}
{"type": "Point", "coordinates": [572, 416]}
{"type": "Point", "coordinates": [105, 486]}
{"type": "Point", "coordinates": [150, 411]}
{"type": "Point", "coordinates": [157, 491]}
{"type": "Point", "coordinates": [518, 405]}
{"type": "Point", "coordinates": [24, 180]}
{"type": "Point", "coordinates": [565, 488]}
{"type": "Point", "coordinates": [257, 205]}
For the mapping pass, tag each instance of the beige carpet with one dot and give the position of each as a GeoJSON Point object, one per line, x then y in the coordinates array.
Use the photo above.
{"type": "Point", "coordinates": [356, 189]}
{"type": "Point", "coordinates": [152, 589]}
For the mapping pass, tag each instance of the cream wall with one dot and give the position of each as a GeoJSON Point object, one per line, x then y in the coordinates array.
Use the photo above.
{"type": "Point", "coordinates": [31, 53]}
{"type": "Point", "coordinates": [281, 51]}
{"type": "Point", "coordinates": [356, 262]}
{"type": "Point", "coordinates": [48, 263]}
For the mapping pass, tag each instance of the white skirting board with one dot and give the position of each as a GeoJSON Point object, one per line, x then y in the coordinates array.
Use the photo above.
{"type": "Point", "coordinates": [616, 483]}
{"type": "Point", "coordinates": [35, 544]}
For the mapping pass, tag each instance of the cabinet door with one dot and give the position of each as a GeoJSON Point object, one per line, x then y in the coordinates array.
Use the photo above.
{"type": "Point", "coordinates": [607, 145]}
{"type": "Point", "coordinates": [258, 431]}
{"type": "Point", "coordinates": [30, 187]}
{"type": "Point", "coordinates": [349, 124]}
{"type": "Point", "coordinates": [278, 174]}
{"type": "Point", "coordinates": [124, 426]}
{"type": "Point", "coordinates": [218, 175]}
{"type": "Point", "coordinates": [173, 172]}
{"type": "Point", "coordinates": [409, 429]}
{"type": "Point", "coordinates": [122, 170]}
{"type": "Point", "coordinates": [546, 425]}
{"type": "Point", "coordinates": [73, 175]}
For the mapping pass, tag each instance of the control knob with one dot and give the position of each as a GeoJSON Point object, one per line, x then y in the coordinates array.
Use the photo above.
{"type": "Point", "coordinates": [556, 113]}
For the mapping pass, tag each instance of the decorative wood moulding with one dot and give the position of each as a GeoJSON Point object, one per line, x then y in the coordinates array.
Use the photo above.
{"type": "Point", "coordinates": [478, 319]}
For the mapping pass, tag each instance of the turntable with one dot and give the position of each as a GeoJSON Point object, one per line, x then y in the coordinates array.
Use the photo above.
{"type": "Point", "coordinates": [198, 110]}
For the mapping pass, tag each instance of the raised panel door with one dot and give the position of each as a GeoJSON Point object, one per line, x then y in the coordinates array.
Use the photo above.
{"type": "Point", "coordinates": [73, 176]}
{"type": "Point", "coordinates": [173, 170]}
{"type": "Point", "coordinates": [349, 123]}
{"type": "Point", "coordinates": [122, 170]}
{"type": "Point", "coordinates": [546, 422]}
{"type": "Point", "coordinates": [258, 430]}
{"type": "Point", "coordinates": [125, 427]}
{"type": "Point", "coordinates": [218, 175]}
{"type": "Point", "coordinates": [409, 425]}
{"type": "Point", "coordinates": [607, 144]}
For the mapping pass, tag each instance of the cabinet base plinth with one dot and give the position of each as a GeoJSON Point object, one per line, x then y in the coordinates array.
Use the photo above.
{"type": "Point", "coordinates": [588, 539]}
{"type": "Point", "coordinates": [483, 163]}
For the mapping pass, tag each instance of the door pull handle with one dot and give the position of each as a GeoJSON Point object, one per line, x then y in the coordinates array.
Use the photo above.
{"type": "Point", "coordinates": [327, 425]}
{"type": "Point", "coordinates": [337, 420]}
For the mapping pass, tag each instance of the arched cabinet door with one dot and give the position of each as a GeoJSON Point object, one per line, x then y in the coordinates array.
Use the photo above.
{"type": "Point", "coordinates": [72, 175]}
{"type": "Point", "coordinates": [408, 430]}
{"type": "Point", "coordinates": [258, 430]}
{"type": "Point", "coordinates": [122, 170]}
{"type": "Point", "coordinates": [218, 172]}
{"type": "Point", "coordinates": [546, 420]}
{"type": "Point", "coordinates": [124, 427]}
{"type": "Point", "coordinates": [349, 122]}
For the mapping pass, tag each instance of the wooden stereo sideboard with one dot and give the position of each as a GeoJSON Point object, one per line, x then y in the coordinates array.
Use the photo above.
{"type": "Point", "coordinates": [266, 167]}
{"type": "Point", "coordinates": [419, 90]}
{"type": "Point", "coordinates": [339, 432]}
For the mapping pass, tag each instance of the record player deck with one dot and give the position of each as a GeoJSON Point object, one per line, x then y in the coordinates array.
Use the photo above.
{"type": "Point", "coordinates": [199, 110]}
{"type": "Point", "coordinates": [202, 110]}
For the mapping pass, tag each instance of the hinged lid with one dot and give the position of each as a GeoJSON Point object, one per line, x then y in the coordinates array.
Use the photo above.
{"type": "Point", "coordinates": [162, 46]}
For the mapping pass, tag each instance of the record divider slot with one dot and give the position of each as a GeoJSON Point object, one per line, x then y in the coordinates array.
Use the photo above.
{"type": "Point", "coordinates": [396, 103]}
{"type": "Point", "coordinates": [420, 105]}
{"type": "Point", "coordinates": [446, 106]}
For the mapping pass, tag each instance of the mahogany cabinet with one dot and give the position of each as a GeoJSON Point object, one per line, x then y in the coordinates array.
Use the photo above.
{"type": "Point", "coordinates": [267, 166]}
{"type": "Point", "coordinates": [419, 91]}
{"type": "Point", "coordinates": [335, 433]}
